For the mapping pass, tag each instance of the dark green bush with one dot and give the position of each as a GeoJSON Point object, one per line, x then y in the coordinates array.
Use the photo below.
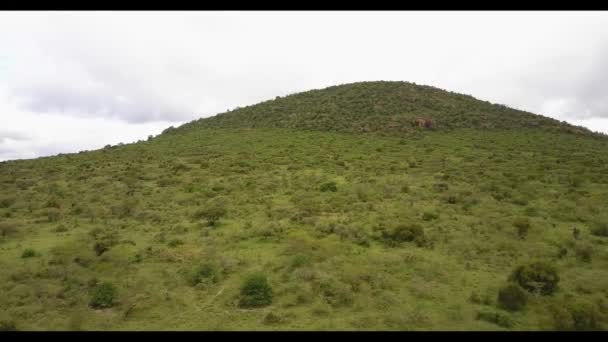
{"type": "Point", "coordinates": [299, 261]}
{"type": "Point", "coordinates": [7, 201]}
{"type": "Point", "coordinates": [512, 297]}
{"type": "Point", "coordinates": [28, 253]}
{"type": "Point", "coordinates": [584, 253]}
{"type": "Point", "coordinates": [100, 248]}
{"type": "Point", "coordinates": [404, 233]}
{"type": "Point", "coordinates": [103, 296]}
{"type": "Point", "coordinates": [53, 215]}
{"type": "Point", "coordinates": [523, 226]}
{"type": "Point", "coordinates": [212, 214]}
{"type": "Point", "coordinates": [496, 318]}
{"type": "Point", "coordinates": [272, 318]}
{"type": "Point", "coordinates": [600, 229]}
{"type": "Point", "coordinates": [428, 216]}
{"type": "Point", "coordinates": [329, 186]}
{"type": "Point", "coordinates": [175, 243]}
{"type": "Point", "coordinates": [537, 276]}
{"type": "Point", "coordinates": [256, 292]}
{"type": "Point", "coordinates": [7, 229]}
{"type": "Point", "coordinates": [6, 325]}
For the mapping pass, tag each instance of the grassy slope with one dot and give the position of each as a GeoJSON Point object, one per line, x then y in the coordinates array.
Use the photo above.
{"type": "Point", "coordinates": [322, 251]}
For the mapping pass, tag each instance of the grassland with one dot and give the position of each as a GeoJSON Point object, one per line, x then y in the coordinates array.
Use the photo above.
{"type": "Point", "coordinates": [416, 231]}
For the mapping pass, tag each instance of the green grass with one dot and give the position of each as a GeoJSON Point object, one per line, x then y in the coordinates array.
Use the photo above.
{"type": "Point", "coordinates": [449, 197]}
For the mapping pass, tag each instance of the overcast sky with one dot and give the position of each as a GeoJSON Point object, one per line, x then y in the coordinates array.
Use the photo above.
{"type": "Point", "coordinates": [72, 81]}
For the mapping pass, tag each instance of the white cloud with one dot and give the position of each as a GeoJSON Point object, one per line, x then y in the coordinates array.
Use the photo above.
{"type": "Point", "coordinates": [130, 71]}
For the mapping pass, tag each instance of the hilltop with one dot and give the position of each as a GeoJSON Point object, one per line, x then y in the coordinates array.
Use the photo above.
{"type": "Point", "coordinates": [324, 210]}
{"type": "Point", "coordinates": [380, 107]}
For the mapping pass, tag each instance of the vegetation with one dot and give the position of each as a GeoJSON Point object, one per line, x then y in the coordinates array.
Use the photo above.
{"type": "Point", "coordinates": [512, 297]}
{"type": "Point", "coordinates": [256, 292]}
{"type": "Point", "coordinates": [537, 277]}
{"type": "Point", "coordinates": [419, 234]}
{"type": "Point", "coordinates": [103, 296]}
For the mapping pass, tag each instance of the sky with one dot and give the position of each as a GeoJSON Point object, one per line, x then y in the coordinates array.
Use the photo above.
{"type": "Point", "coordinates": [74, 81]}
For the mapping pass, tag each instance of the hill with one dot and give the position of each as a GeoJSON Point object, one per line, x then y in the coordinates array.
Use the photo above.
{"type": "Point", "coordinates": [379, 107]}
{"type": "Point", "coordinates": [254, 222]}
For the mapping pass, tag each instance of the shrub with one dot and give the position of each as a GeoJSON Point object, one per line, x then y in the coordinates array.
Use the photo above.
{"type": "Point", "coordinates": [336, 293]}
{"type": "Point", "coordinates": [256, 292]}
{"type": "Point", "coordinates": [600, 229]}
{"type": "Point", "coordinates": [103, 296]}
{"type": "Point", "coordinates": [512, 297]}
{"type": "Point", "coordinates": [100, 248]}
{"type": "Point", "coordinates": [576, 316]}
{"type": "Point", "coordinates": [272, 318]}
{"type": "Point", "coordinates": [175, 243]}
{"type": "Point", "coordinates": [299, 261]}
{"type": "Point", "coordinates": [537, 276]}
{"type": "Point", "coordinates": [496, 318]}
{"type": "Point", "coordinates": [212, 214]}
{"type": "Point", "coordinates": [206, 273]}
{"type": "Point", "coordinates": [583, 253]}
{"type": "Point", "coordinates": [7, 229]}
{"type": "Point", "coordinates": [53, 215]}
{"type": "Point", "coordinates": [523, 226]}
{"type": "Point", "coordinates": [404, 233]}
{"type": "Point", "coordinates": [60, 229]}
{"type": "Point", "coordinates": [329, 186]}
{"type": "Point", "coordinates": [584, 316]}
{"type": "Point", "coordinates": [28, 253]}
{"type": "Point", "coordinates": [576, 233]}
{"type": "Point", "coordinates": [6, 202]}
{"type": "Point", "coordinates": [428, 216]}
{"type": "Point", "coordinates": [7, 325]}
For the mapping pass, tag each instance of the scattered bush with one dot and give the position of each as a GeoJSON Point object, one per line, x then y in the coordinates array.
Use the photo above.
{"type": "Point", "coordinates": [536, 277]}
{"type": "Point", "coordinates": [212, 214]}
{"type": "Point", "coordinates": [100, 248]}
{"type": "Point", "coordinates": [53, 215]}
{"type": "Point", "coordinates": [584, 253]}
{"type": "Point", "coordinates": [299, 261]}
{"type": "Point", "coordinates": [496, 318]}
{"type": "Point", "coordinates": [576, 233]}
{"type": "Point", "coordinates": [428, 216]}
{"type": "Point", "coordinates": [336, 293]}
{"type": "Point", "coordinates": [7, 201]}
{"type": "Point", "coordinates": [7, 229]}
{"type": "Point", "coordinates": [6, 325]}
{"type": "Point", "coordinates": [28, 253]}
{"type": "Point", "coordinates": [103, 296]}
{"type": "Point", "coordinates": [512, 297]}
{"type": "Point", "coordinates": [329, 186]}
{"type": "Point", "coordinates": [600, 229]}
{"type": "Point", "coordinates": [175, 243]}
{"type": "Point", "coordinates": [256, 292]}
{"type": "Point", "coordinates": [523, 226]}
{"type": "Point", "coordinates": [272, 318]}
{"type": "Point", "coordinates": [404, 233]}
{"type": "Point", "coordinates": [60, 229]}
{"type": "Point", "coordinates": [579, 316]}
{"type": "Point", "coordinates": [207, 273]}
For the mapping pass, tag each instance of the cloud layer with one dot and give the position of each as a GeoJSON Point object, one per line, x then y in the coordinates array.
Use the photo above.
{"type": "Point", "coordinates": [120, 76]}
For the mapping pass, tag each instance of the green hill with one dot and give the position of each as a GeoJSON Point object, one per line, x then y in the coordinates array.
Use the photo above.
{"type": "Point", "coordinates": [279, 216]}
{"type": "Point", "coordinates": [379, 107]}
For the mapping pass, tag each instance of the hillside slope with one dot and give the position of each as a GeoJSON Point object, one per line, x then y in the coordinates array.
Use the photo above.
{"type": "Point", "coordinates": [433, 231]}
